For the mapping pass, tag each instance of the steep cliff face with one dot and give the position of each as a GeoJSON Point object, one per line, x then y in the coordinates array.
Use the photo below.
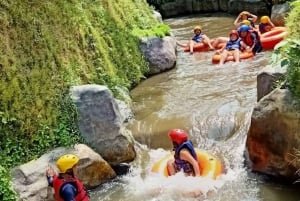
{"type": "Point", "coordinates": [47, 46]}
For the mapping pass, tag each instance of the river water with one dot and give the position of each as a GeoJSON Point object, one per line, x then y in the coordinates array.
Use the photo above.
{"type": "Point", "coordinates": [214, 105]}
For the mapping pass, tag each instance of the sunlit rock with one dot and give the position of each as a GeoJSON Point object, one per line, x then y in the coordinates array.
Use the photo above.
{"type": "Point", "coordinates": [30, 181]}
{"type": "Point", "coordinates": [274, 135]}
{"type": "Point", "coordinates": [160, 53]}
{"type": "Point", "coordinates": [101, 123]}
{"type": "Point", "coordinates": [157, 16]}
{"type": "Point", "coordinates": [279, 12]}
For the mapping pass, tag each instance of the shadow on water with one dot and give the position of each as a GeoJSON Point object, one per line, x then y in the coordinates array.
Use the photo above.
{"type": "Point", "coordinates": [214, 104]}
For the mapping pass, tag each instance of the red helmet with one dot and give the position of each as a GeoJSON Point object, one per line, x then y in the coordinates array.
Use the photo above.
{"type": "Point", "coordinates": [235, 32]}
{"type": "Point", "coordinates": [177, 135]}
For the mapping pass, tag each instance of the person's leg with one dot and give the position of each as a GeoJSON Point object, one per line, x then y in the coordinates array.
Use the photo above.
{"type": "Point", "coordinates": [218, 41]}
{"type": "Point", "coordinates": [180, 44]}
{"type": "Point", "coordinates": [192, 43]}
{"type": "Point", "coordinates": [206, 40]}
{"type": "Point", "coordinates": [224, 55]}
{"type": "Point", "coordinates": [171, 167]}
{"type": "Point", "coordinates": [236, 56]}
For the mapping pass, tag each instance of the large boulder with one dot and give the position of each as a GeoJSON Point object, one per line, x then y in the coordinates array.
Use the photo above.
{"type": "Point", "coordinates": [268, 78]}
{"type": "Point", "coordinates": [101, 123]}
{"type": "Point", "coordinates": [279, 12]}
{"type": "Point", "coordinates": [29, 180]}
{"type": "Point", "coordinates": [274, 135]}
{"type": "Point", "coordinates": [160, 53]}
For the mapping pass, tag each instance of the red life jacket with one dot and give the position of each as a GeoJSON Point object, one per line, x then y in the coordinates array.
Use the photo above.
{"type": "Point", "coordinates": [249, 40]}
{"type": "Point", "coordinates": [59, 182]}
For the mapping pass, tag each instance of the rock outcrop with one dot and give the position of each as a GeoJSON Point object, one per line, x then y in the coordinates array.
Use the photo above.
{"type": "Point", "coordinates": [29, 180]}
{"type": "Point", "coordinates": [160, 53]}
{"type": "Point", "coordinates": [274, 135]}
{"type": "Point", "coordinates": [267, 80]}
{"type": "Point", "coordinates": [279, 12]}
{"type": "Point", "coordinates": [101, 123]}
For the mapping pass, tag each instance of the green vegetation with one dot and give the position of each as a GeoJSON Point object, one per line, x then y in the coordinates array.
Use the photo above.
{"type": "Point", "coordinates": [47, 46]}
{"type": "Point", "coordinates": [6, 191]}
{"type": "Point", "coordinates": [160, 31]}
{"type": "Point", "coordinates": [289, 50]}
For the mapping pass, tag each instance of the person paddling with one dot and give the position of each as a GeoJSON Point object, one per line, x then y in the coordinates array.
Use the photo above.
{"type": "Point", "coordinates": [185, 157]}
{"type": "Point", "coordinates": [66, 185]}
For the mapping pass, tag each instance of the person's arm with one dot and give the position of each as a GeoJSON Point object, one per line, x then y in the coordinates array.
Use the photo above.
{"type": "Point", "coordinates": [49, 174]}
{"type": "Point", "coordinates": [271, 23]}
{"type": "Point", "coordinates": [236, 21]}
{"type": "Point", "coordinates": [68, 192]}
{"type": "Point", "coordinates": [254, 17]}
{"type": "Point", "coordinates": [186, 155]}
{"type": "Point", "coordinates": [221, 50]}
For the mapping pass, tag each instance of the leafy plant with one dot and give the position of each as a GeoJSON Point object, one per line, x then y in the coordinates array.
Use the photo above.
{"type": "Point", "coordinates": [160, 30]}
{"type": "Point", "coordinates": [288, 51]}
{"type": "Point", "coordinates": [6, 190]}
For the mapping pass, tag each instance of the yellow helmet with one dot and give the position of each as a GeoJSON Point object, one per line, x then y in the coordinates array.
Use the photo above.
{"type": "Point", "coordinates": [66, 162]}
{"type": "Point", "coordinates": [264, 19]}
{"type": "Point", "coordinates": [197, 28]}
{"type": "Point", "coordinates": [246, 22]}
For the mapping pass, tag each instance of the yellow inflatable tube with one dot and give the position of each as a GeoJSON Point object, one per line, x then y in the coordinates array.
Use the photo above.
{"type": "Point", "coordinates": [210, 166]}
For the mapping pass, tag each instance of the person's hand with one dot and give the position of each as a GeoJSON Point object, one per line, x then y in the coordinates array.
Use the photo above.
{"type": "Point", "coordinates": [219, 51]}
{"type": "Point", "coordinates": [50, 172]}
{"type": "Point", "coordinates": [248, 49]}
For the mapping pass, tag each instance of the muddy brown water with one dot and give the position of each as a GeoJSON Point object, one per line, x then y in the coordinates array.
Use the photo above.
{"type": "Point", "coordinates": [214, 105]}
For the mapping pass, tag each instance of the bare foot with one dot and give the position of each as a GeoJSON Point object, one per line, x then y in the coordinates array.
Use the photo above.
{"type": "Point", "coordinates": [191, 52]}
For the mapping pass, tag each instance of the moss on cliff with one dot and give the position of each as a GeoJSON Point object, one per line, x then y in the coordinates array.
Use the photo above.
{"type": "Point", "coordinates": [47, 46]}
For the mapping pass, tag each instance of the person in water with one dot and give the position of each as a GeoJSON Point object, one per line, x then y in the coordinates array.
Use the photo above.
{"type": "Point", "coordinates": [232, 48]}
{"type": "Point", "coordinates": [222, 40]}
{"type": "Point", "coordinates": [185, 157]}
{"type": "Point", "coordinates": [66, 185]}
{"type": "Point", "coordinates": [249, 39]}
{"type": "Point", "coordinates": [265, 24]}
{"type": "Point", "coordinates": [245, 15]}
{"type": "Point", "coordinates": [199, 37]}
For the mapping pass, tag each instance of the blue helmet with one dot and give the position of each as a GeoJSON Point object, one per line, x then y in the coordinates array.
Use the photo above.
{"type": "Point", "coordinates": [244, 28]}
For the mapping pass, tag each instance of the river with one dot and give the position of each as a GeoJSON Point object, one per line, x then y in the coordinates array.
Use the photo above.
{"type": "Point", "coordinates": [214, 105]}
